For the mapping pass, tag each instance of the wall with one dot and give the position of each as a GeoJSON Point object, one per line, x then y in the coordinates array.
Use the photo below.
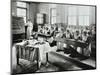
{"type": "Point", "coordinates": [62, 17]}
{"type": "Point", "coordinates": [40, 8]}
{"type": "Point", "coordinates": [44, 8]}
{"type": "Point", "coordinates": [13, 8]}
{"type": "Point", "coordinates": [33, 9]}
{"type": "Point", "coordinates": [62, 12]}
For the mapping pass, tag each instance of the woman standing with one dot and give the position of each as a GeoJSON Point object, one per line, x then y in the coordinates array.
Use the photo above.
{"type": "Point", "coordinates": [29, 28]}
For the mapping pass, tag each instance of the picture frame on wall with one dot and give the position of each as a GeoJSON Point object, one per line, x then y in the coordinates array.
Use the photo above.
{"type": "Point", "coordinates": [65, 38]}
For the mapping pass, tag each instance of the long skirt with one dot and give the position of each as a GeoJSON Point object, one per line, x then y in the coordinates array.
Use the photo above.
{"type": "Point", "coordinates": [29, 32]}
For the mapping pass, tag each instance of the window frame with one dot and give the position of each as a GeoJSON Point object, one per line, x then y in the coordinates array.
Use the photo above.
{"type": "Point", "coordinates": [52, 15]}
{"type": "Point", "coordinates": [25, 8]}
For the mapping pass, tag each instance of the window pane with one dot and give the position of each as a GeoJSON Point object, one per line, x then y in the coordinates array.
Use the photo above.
{"type": "Point", "coordinates": [39, 18]}
{"type": "Point", "coordinates": [81, 20]}
{"type": "Point", "coordinates": [72, 11]}
{"type": "Point", "coordinates": [53, 12]}
{"type": "Point", "coordinates": [84, 20]}
{"type": "Point", "coordinates": [21, 4]}
{"type": "Point", "coordinates": [53, 21]}
{"type": "Point", "coordinates": [84, 10]}
{"type": "Point", "coordinates": [72, 20]}
{"type": "Point", "coordinates": [21, 12]}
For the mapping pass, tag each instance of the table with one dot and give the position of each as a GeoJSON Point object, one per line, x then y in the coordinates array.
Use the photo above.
{"type": "Point", "coordinates": [43, 36]}
{"type": "Point", "coordinates": [63, 43]}
{"type": "Point", "coordinates": [32, 52]}
{"type": "Point", "coordinates": [27, 52]}
{"type": "Point", "coordinates": [72, 42]}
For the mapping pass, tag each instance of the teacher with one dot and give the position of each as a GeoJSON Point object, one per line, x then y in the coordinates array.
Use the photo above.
{"type": "Point", "coordinates": [29, 28]}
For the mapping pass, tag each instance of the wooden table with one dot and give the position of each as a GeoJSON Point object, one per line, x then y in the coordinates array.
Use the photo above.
{"type": "Point", "coordinates": [24, 52]}
{"type": "Point", "coordinates": [72, 42]}
{"type": "Point", "coordinates": [43, 36]}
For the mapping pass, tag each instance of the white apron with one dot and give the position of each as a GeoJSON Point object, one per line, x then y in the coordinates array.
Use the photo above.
{"type": "Point", "coordinates": [29, 29]}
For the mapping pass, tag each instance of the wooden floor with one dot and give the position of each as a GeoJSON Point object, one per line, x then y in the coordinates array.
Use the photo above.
{"type": "Point", "coordinates": [33, 69]}
{"type": "Point", "coordinates": [26, 66]}
{"type": "Point", "coordinates": [48, 68]}
{"type": "Point", "coordinates": [29, 67]}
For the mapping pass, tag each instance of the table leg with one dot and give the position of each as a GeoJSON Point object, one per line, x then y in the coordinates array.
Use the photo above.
{"type": "Point", "coordinates": [46, 57]}
{"type": "Point", "coordinates": [17, 53]}
{"type": "Point", "coordinates": [37, 52]}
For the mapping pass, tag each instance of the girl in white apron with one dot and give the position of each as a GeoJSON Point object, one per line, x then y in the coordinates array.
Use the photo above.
{"type": "Point", "coordinates": [29, 28]}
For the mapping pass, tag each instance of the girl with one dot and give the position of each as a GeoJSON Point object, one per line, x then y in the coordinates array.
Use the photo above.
{"type": "Point", "coordinates": [29, 28]}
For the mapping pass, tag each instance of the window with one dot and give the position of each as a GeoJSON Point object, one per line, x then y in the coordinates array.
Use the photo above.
{"type": "Point", "coordinates": [22, 10]}
{"type": "Point", "coordinates": [40, 18]}
{"type": "Point", "coordinates": [21, 4]}
{"type": "Point", "coordinates": [78, 15]}
{"type": "Point", "coordinates": [84, 14]}
{"type": "Point", "coordinates": [72, 15]}
{"type": "Point", "coordinates": [72, 20]}
{"type": "Point", "coordinates": [84, 20]}
{"type": "Point", "coordinates": [53, 15]}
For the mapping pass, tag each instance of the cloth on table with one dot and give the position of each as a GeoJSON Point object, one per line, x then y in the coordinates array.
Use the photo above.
{"type": "Point", "coordinates": [43, 49]}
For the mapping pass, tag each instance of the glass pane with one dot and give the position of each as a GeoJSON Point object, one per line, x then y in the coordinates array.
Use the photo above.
{"type": "Point", "coordinates": [84, 10]}
{"type": "Point", "coordinates": [72, 11]}
{"type": "Point", "coordinates": [72, 20]}
{"type": "Point", "coordinates": [21, 12]}
{"type": "Point", "coordinates": [21, 4]}
{"type": "Point", "coordinates": [39, 20]}
{"type": "Point", "coordinates": [53, 21]}
{"type": "Point", "coordinates": [81, 20]}
{"type": "Point", "coordinates": [86, 20]}
{"type": "Point", "coordinates": [53, 12]}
